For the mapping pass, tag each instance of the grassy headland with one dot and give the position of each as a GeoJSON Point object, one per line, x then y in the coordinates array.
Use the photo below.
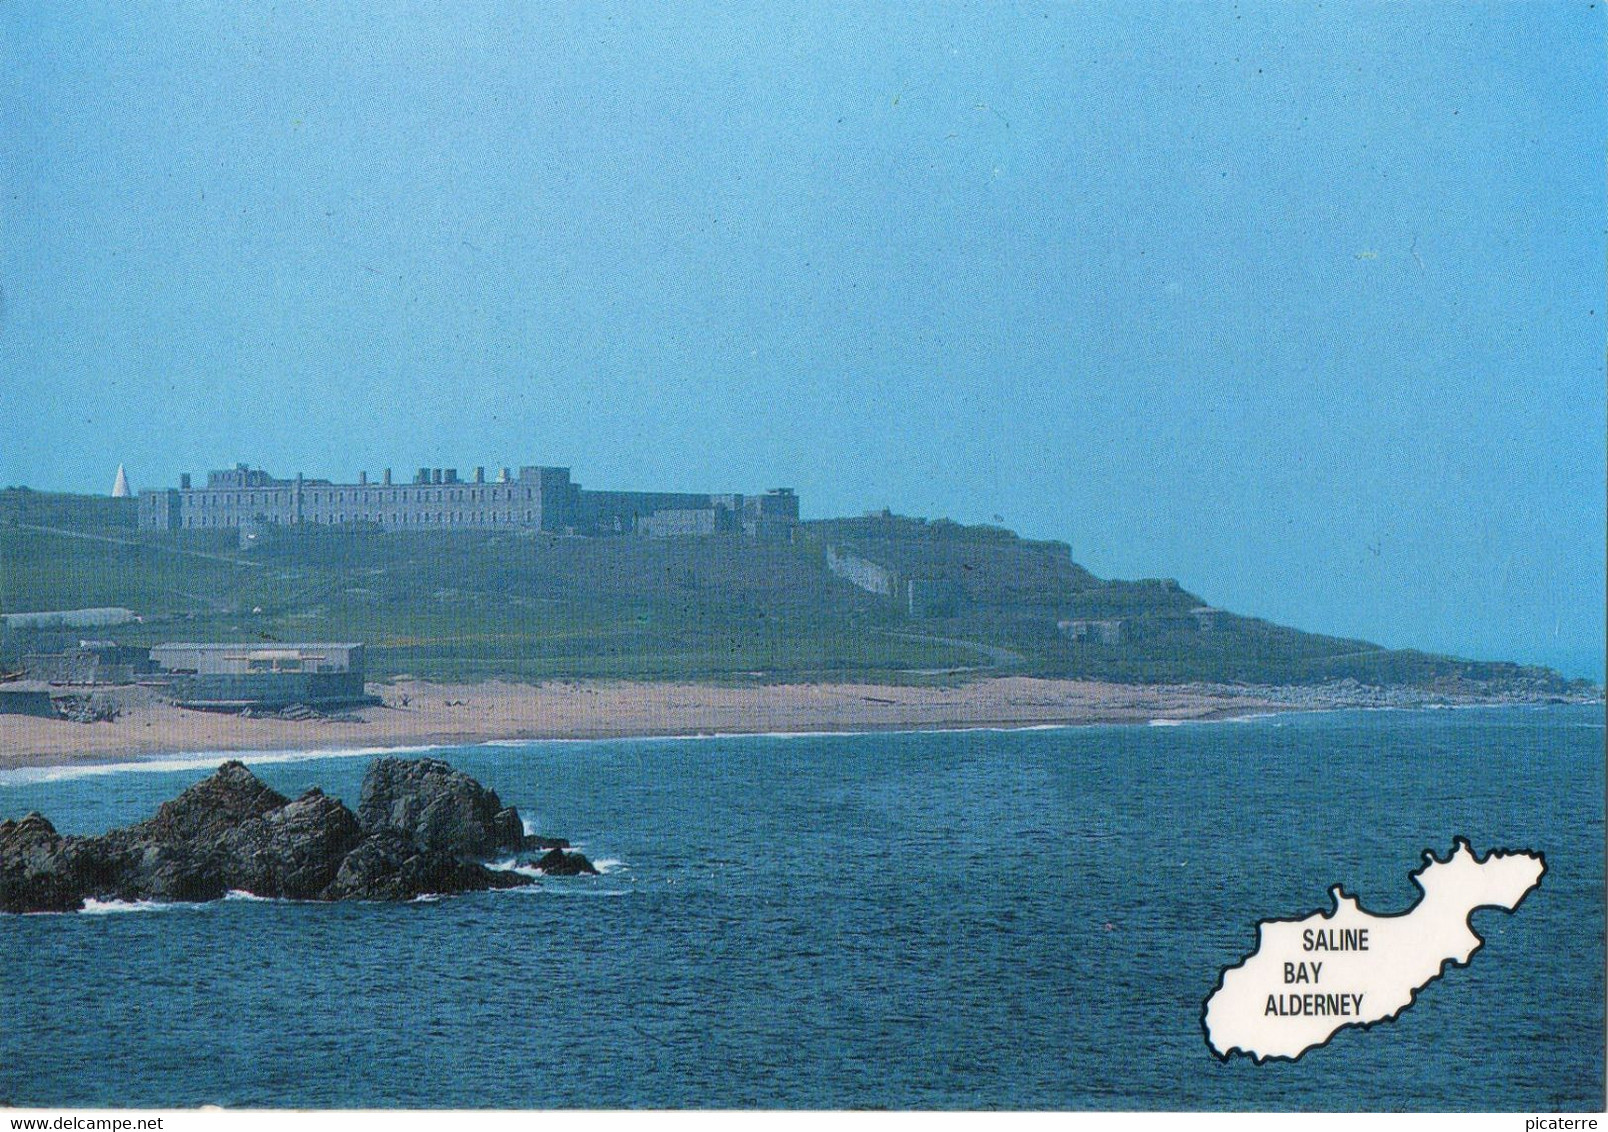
{"type": "Point", "coordinates": [715, 609]}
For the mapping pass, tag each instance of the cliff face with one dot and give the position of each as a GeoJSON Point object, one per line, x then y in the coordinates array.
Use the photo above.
{"type": "Point", "coordinates": [423, 828]}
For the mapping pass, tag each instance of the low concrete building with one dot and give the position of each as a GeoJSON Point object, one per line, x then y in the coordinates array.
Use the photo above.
{"type": "Point", "coordinates": [676, 523]}
{"type": "Point", "coordinates": [1107, 631]}
{"type": "Point", "coordinates": [91, 662]}
{"type": "Point", "coordinates": [27, 699]}
{"type": "Point", "coordinates": [235, 677]}
{"type": "Point", "coordinates": [1205, 618]}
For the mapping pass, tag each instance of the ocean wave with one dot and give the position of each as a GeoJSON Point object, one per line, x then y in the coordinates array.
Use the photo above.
{"type": "Point", "coordinates": [1248, 717]}
{"type": "Point", "coordinates": [512, 865]}
{"type": "Point", "coordinates": [211, 760]}
{"type": "Point", "coordinates": [562, 890]}
{"type": "Point", "coordinates": [197, 760]}
{"type": "Point", "coordinates": [833, 733]}
{"type": "Point", "coordinates": [93, 907]}
{"type": "Point", "coordinates": [604, 867]}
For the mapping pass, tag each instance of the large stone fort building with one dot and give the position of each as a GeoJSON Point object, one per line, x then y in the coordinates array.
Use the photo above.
{"type": "Point", "coordinates": [539, 498]}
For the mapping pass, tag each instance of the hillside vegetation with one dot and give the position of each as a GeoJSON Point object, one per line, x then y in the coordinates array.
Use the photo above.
{"type": "Point", "coordinates": [529, 606]}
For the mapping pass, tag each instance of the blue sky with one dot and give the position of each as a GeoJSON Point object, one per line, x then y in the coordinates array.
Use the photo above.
{"type": "Point", "coordinates": [1299, 303]}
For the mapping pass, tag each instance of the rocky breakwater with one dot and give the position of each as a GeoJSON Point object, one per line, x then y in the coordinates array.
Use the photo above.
{"type": "Point", "coordinates": [421, 828]}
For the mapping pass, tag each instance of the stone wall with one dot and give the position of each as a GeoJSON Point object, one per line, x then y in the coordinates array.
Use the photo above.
{"type": "Point", "coordinates": [873, 577]}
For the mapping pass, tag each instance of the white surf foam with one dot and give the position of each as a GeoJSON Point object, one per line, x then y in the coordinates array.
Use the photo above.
{"type": "Point", "coordinates": [199, 760]}
{"type": "Point", "coordinates": [1248, 717]}
{"type": "Point", "coordinates": [210, 760]}
{"type": "Point", "coordinates": [512, 865]}
{"type": "Point", "coordinates": [93, 907]}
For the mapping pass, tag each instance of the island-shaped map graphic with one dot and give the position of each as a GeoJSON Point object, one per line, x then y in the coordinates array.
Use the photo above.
{"type": "Point", "coordinates": [1313, 976]}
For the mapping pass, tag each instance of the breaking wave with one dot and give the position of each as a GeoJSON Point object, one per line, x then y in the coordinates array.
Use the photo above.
{"type": "Point", "coordinates": [93, 907]}
{"type": "Point", "coordinates": [199, 760]}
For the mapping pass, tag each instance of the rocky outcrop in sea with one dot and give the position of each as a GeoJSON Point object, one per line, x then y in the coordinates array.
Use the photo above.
{"type": "Point", "coordinates": [421, 828]}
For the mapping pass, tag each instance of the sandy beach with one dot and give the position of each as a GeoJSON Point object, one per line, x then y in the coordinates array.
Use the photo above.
{"type": "Point", "coordinates": [425, 714]}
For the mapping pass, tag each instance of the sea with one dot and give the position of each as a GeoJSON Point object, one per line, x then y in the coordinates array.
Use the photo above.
{"type": "Point", "coordinates": [1016, 919]}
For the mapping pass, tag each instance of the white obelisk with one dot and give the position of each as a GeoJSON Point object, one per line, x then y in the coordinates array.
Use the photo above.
{"type": "Point", "coordinates": [120, 488]}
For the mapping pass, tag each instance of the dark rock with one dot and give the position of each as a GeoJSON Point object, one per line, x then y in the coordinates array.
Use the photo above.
{"type": "Point", "coordinates": [294, 851]}
{"type": "Point", "coordinates": [390, 865]}
{"type": "Point", "coordinates": [165, 872]}
{"type": "Point", "coordinates": [507, 829]}
{"type": "Point", "coordinates": [177, 855]}
{"type": "Point", "coordinates": [439, 807]}
{"type": "Point", "coordinates": [210, 808]}
{"type": "Point", "coordinates": [561, 864]}
{"type": "Point", "coordinates": [535, 842]}
{"type": "Point", "coordinates": [35, 876]}
{"type": "Point", "coordinates": [420, 824]}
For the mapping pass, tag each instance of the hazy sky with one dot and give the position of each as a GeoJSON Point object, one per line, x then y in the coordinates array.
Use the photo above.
{"type": "Point", "coordinates": [1299, 303]}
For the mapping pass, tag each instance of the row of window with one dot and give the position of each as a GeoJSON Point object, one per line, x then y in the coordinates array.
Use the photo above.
{"type": "Point", "coordinates": [398, 519]}
{"type": "Point", "coordinates": [214, 499]}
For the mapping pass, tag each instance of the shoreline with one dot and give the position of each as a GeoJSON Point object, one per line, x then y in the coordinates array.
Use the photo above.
{"type": "Point", "coordinates": [421, 715]}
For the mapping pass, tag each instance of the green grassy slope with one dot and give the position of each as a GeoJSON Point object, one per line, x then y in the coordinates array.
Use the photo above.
{"type": "Point", "coordinates": [530, 606]}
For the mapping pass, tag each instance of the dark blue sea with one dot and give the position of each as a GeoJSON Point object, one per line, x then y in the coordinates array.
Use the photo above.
{"type": "Point", "coordinates": [983, 919]}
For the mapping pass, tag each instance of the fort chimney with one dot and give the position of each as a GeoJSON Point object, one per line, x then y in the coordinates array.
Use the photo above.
{"type": "Point", "coordinates": [435, 475]}
{"type": "Point", "coordinates": [480, 475]}
{"type": "Point", "coordinates": [362, 479]}
{"type": "Point", "coordinates": [184, 481]}
{"type": "Point", "coordinates": [385, 477]}
{"type": "Point", "coordinates": [423, 476]}
{"type": "Point", "coordinates": [505, 476]}
{"type": "Point", "coordinates": [451, 475]}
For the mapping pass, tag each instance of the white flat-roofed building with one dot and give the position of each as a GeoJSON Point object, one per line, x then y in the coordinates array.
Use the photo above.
{"type": "Point", "coordinates": [263, 676]}
{"type": "Point", "coordinates": [249, 659]}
